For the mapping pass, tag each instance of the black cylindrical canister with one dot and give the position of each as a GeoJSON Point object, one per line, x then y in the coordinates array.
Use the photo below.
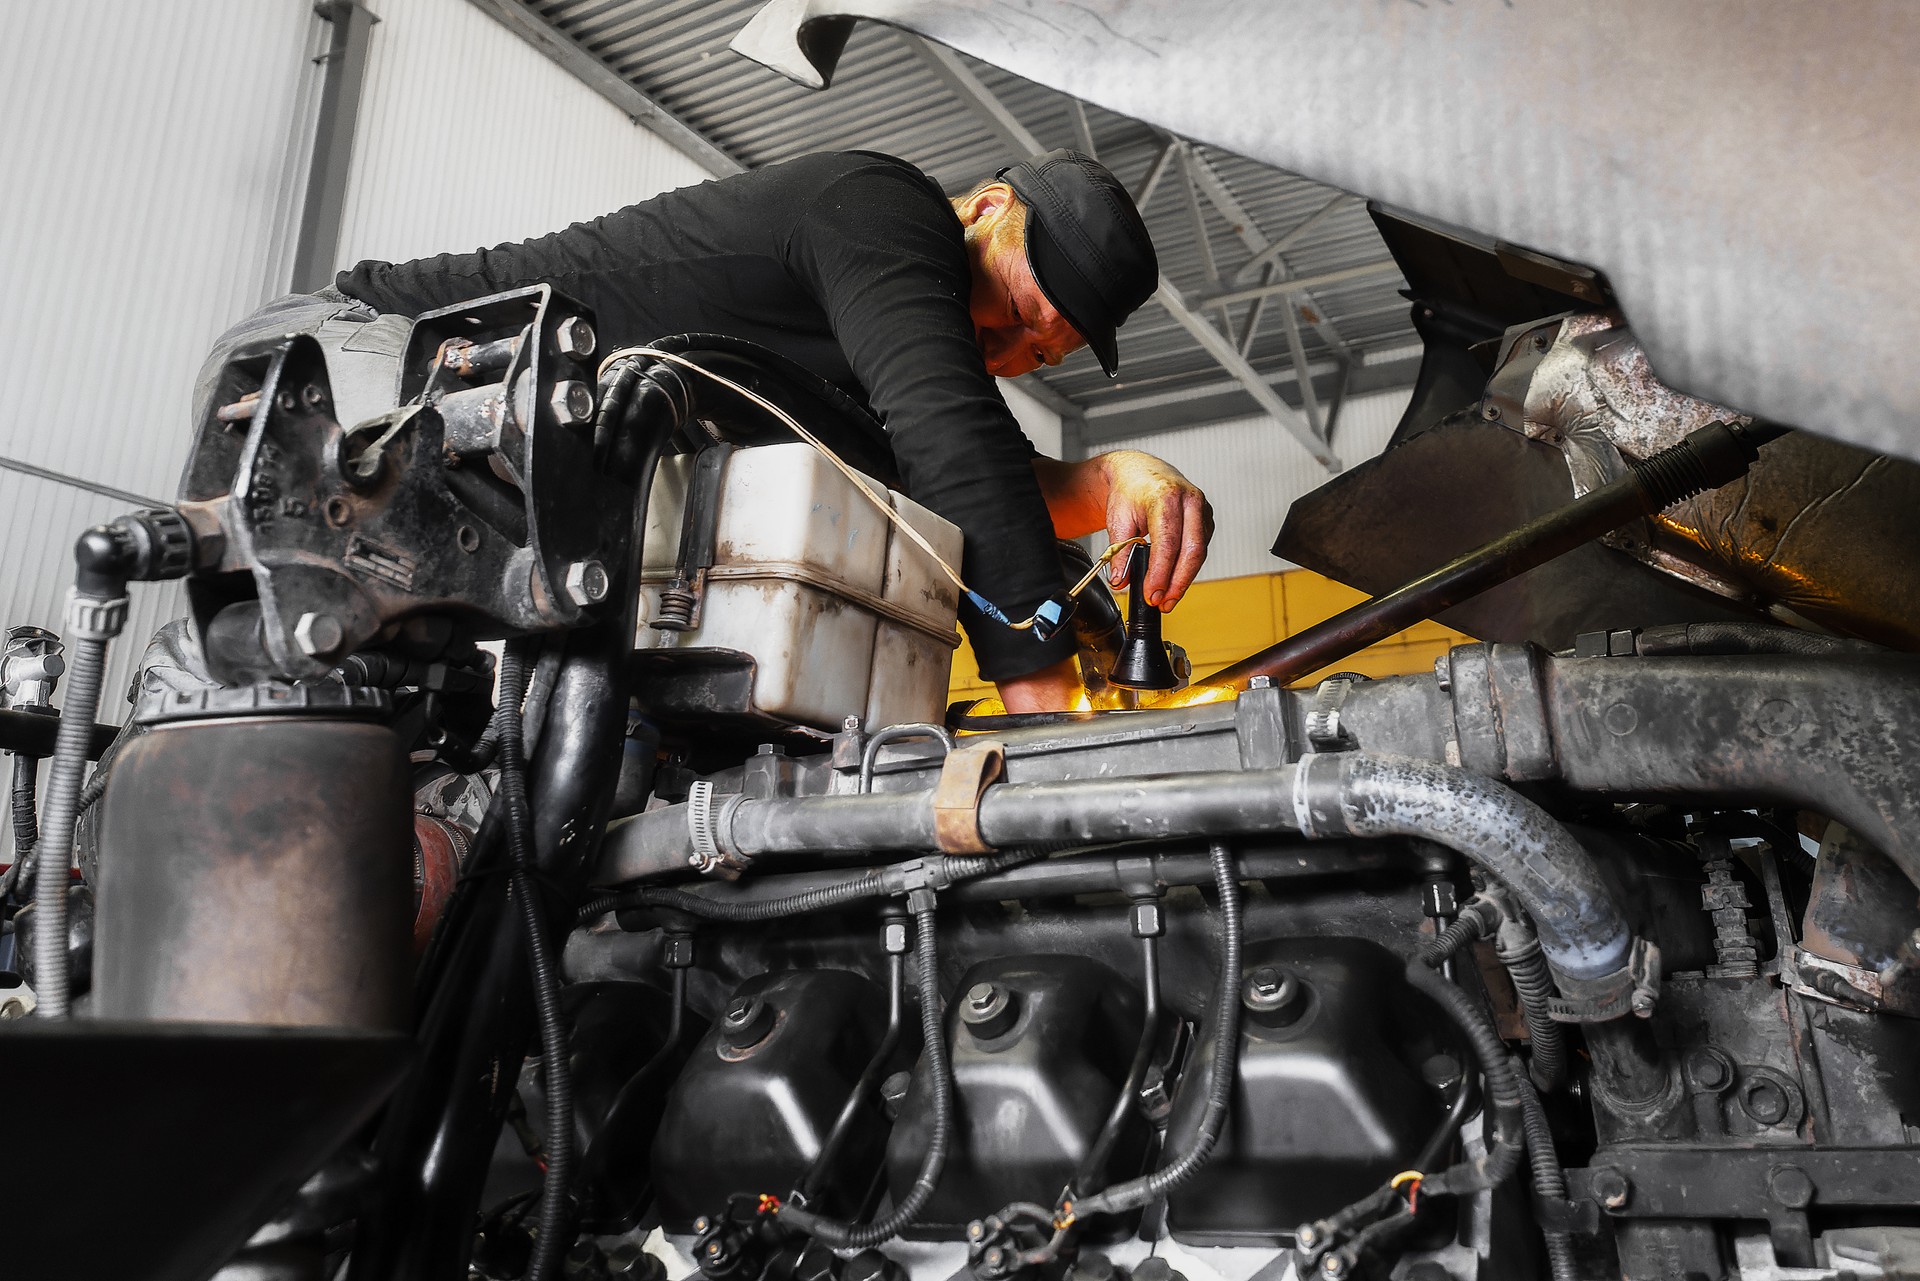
{"type": "Point", "coordinates": [257, 869]}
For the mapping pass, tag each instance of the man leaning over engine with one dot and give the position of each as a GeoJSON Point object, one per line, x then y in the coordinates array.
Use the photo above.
{"type": "Point", "coordinates": [855, 265]}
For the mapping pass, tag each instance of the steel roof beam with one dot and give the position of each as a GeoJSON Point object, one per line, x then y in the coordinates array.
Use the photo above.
{"type": "Point", "coordinates": [593, 71]}
{"type": "Point", "coordinates": [972, 91]}
{"type": "Point", "coordinates": [1264, 251]}
{"type": "Point", "coordinates": [1155, 172]}
{"type": "Point", "coordinates": [1303, 284]}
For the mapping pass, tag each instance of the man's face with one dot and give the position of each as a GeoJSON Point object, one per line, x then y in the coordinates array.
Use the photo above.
{"type": "Point", "coordinates": [1017, 328]}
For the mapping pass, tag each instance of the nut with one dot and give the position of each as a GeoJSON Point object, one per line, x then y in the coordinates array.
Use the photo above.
{"type": "Point", "coordinates": [574, 337]}
{"type": "Point", "coordinates": [586, 582]}
{"type": "Point", "coordinates": [572, 401]}
{"type": "Point", "coordinates": [319, 635]}
{"type": "Point", "coordinates": [1612, 1188]}
{"type": "Point", "coordinates": [1260, 682]}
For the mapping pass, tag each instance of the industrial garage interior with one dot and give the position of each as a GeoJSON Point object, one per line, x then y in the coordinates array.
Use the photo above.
{"type": "Point", "coordinates": [961, 640]}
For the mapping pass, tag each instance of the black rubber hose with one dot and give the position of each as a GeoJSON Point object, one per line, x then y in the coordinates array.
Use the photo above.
{"type": "Point", "coordinates": [1221, 1072]}
{"type": "Point", "coordinates": [1745, 638]}
{"type": "Point", "coordinates": [1549, 1180]}
{"type": "Point", "coordinates": [1533, 985]}
{"type": "Point", "coordinates": [547, 1245]}
{"type": "Point", "coordinates": [850, 1236]}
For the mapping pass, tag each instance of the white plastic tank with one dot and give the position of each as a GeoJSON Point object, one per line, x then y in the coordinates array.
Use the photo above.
{"type": "Point", "coordinates": [842, 614]}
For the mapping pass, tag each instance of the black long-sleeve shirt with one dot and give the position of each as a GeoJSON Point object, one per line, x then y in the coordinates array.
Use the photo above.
{"type": "Point", "coordinates": [852, 264]}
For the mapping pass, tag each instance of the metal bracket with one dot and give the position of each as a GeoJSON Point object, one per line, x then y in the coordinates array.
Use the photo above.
{"type": "Point", "coordinates": [964, 779]}
{"type": "Point", "coordinates": [1631, 989]}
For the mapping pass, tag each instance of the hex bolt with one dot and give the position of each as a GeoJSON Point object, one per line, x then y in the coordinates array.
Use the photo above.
{"type": "Point", "coordinates": [319, 635]}
{"type": "Point", "coordinates": [747, 1021]}
{"type": "Point", "coordinates": [1612, 1188]}
{"type": "Point", "coordinates": [1275, 997]}
{"type": "Point", "coordinates": [574, 337]}
{"type": "Point", "coordinates": [572, 401]}
{"type": "Point", "coordinates": [1260, 682]}
{"type": "Point", "coordinates": [314, 397]}
{"type": "Point", "coordinates": [1790, 1186]}
{"type": "Point", "coordinates": [1765, 1102]}
{"type": "Point", "coordinates": [587, 582]}
{"type": "Point", "coordinates": [851, 724]}
{"type": "Point", "coordinates": [976, 1230]}
{"type": "Point", "coordinates": [1306, 1236]}
{"type": "Point", "coordinates": [1333, 1266]}
{"type": "Point", "coordinates": [989, 1010]}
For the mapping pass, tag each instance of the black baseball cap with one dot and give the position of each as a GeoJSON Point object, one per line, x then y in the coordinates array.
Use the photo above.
{"type": "Point", "coordinates": [1087, 245]}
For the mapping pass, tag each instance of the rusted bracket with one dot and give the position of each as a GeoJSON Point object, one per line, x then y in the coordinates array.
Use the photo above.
{"type": "Point", "coordinates": [964, 778]}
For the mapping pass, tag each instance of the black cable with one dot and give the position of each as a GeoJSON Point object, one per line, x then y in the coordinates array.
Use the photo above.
{"type": "Point", "coordinates": [26, 821]}
{"type": "Point", "coordinates": [850, 1236]}
{"type": "Point", "coordinates": [713, 909]}
{"type": "Point", "coordinates": [1095, 1161]}
{"type": "Point", "coordinates": [1466, 930]}
{"type": "Point", "coordinates": [547, 1246]}
{"type": "Point", "coordinates": [1549, 1180]}
{"type": "Point", "coordinates": [1504, 1144]}
{"type": "Point", "coordinates": [1226, 1058]}
{"type": "Point", "coordinates": [1533, 985]}
{"type": "Point", "coordinates": [888, 882]}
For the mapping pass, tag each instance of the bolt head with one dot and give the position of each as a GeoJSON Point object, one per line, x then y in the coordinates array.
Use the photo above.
{"type": "Point", "coordinates": [1306, 1236]}
{"type": "Point", "coordinates": [981, 995]}
{"type": "Point", "coordinates": [1260, 682]}
{"type": "Point", "coordinates": [572, 401]}
{"type": "Point", "coordinates": [587, 582]}
{"type": "Point", "coordinates": [319, 635]}
{"type": "Point", "coordinates": [1266, 981]}
{"type": "Point", "coordinates": [575, 337]}
{"type": "Point", "coordinates": [1612, 1187]}
{"type": "Point", "coordinates": [1790, 1186]}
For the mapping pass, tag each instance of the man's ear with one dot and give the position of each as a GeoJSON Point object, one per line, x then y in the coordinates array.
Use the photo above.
{"type": "Point", "coordinates": [987, 202]}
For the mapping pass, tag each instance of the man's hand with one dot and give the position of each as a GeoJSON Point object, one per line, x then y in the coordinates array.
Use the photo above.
{"type": "Point", "coordinates": [1129, 493]}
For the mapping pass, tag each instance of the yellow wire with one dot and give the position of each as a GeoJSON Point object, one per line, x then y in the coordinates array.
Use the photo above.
{"type": "Point", "coordinates": [1406, 1176]}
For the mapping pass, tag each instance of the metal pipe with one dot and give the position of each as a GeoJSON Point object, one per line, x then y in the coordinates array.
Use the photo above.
{"type": "Point", "coordinates": [864, 1087]}
{"type": "Point", "coordinates": [1343, 794]}
{"type": "Point", "coordinates": [1095, 1162]}
{"type": "Point", "coordinates": [1705, 459]}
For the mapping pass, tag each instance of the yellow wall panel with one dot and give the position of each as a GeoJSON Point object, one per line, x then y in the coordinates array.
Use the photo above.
{"type": "Point", "coordinates": [1225, 619]}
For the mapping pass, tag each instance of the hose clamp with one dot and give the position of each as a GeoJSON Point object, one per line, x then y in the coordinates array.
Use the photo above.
{"type": "Point", "coordinates": [1631, 989]}
{"type": "Point", "coordinates": [90, 618]}
{"type": "Point", "coordinates": [709, 824]}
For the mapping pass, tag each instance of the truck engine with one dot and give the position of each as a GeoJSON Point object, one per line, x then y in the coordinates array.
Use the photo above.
{"type": "Point", "coordinates": [546, 850]}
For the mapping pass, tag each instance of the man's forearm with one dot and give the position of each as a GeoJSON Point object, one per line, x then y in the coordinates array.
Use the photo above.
{"type": "Point", "coordinates": [1076, 494]}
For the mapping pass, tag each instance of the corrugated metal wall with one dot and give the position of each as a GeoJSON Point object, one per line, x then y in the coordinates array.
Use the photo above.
{"type": "Point", "coordinates": [1252, 471]}
{"type": "Point", "coordinates": [469, 137]}
{"type": "Point", "coordinates": [154, 156]}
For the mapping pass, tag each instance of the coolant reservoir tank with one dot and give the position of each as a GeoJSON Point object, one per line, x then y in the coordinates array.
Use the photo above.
{"type": "Point", "coordinates": [840, 614]}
